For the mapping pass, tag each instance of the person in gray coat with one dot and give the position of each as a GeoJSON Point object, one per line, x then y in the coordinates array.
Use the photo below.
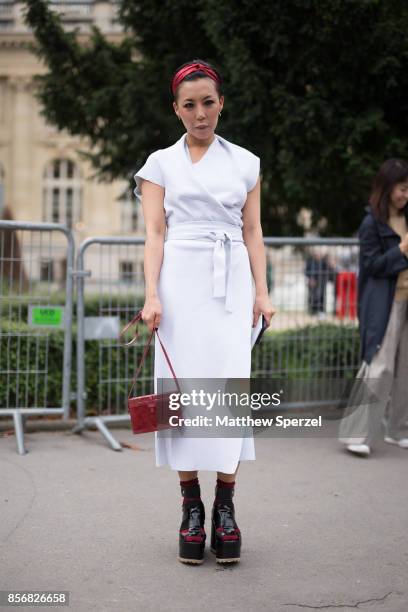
{"type": "Point", "coordinates": [381, 388]}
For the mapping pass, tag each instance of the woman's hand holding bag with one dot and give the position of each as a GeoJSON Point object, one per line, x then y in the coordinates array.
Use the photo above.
{"type": "Point", "coordinates": [149, 412]}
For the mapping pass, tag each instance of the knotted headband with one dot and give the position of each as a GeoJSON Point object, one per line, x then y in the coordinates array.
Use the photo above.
{"type": "Point", "coordinates": [189, 69]}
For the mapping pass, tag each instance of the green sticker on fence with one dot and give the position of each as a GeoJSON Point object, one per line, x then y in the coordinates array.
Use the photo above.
{"type": "Point", "coordinates": [46, 316]}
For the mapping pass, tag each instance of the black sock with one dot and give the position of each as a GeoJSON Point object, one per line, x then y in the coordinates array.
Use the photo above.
{"type": "Point", "coordinates": [224, 491]}
{"type": "Point", "coordinates": [190, 490]}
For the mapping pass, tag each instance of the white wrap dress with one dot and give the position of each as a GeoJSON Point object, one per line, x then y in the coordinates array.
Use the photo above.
{"type": "Point", "coordinates": [205, 284]}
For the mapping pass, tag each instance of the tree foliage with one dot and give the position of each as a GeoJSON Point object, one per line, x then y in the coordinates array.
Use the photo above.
{"type": "Point", "coordinates": [316, 89]}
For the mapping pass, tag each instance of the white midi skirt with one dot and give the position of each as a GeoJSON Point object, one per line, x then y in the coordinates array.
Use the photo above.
{"type": "Point", "coordinates": [203, 340]}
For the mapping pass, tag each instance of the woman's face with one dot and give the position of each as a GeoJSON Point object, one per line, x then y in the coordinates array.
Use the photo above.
{"type": "Point", "coordinates": [198, 106]}
{"type": "Point", "coordinates": [399, 196]}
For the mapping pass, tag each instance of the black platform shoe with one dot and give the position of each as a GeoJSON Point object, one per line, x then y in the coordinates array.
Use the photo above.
{"type": "Point", "coordinates": [192, 534]}
{"type": "Point", "coordinates": [225, 534]}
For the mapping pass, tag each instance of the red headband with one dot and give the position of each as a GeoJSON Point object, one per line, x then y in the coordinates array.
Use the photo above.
{"type": "Point", "coordinates": [186, 70]}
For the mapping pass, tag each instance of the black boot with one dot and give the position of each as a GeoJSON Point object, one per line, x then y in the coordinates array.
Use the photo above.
{"type": "Point", "coordinates": [225, 534]}
{"type": "Point", "coordinates": [192, 534]}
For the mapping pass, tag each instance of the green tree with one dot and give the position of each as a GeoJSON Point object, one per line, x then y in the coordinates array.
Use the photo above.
{"type": "Point", "coordinates": [316, 89]}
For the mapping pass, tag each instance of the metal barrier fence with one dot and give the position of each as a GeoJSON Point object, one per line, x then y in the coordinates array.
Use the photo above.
{"type": "Point", "coordinates": [36, 294]}
{"type": "Point", "coordinates": [110, 290]}
{"type": "Point", "coordinates": [314, 335]}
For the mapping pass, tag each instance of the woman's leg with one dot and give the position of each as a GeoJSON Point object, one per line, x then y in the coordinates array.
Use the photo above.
{"type": "Point", "coordinates": [187, 475]}
{"type": "Point", "coordinates": [383, 367]}
{"type": "Point", "coordinates": [397, 410]}
{"type": "Point", "coordinates": [227, 477]}
{"type": "Point", "coordinates": [368, 401]}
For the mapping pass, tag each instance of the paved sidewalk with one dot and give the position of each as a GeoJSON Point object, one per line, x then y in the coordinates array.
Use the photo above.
{"type": "Point", "coordinates": [321, 529]}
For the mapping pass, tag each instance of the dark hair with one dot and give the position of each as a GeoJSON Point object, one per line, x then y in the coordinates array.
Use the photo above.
{"type": "Point", "coordinates": [198, 74]}
{"type": "Point", "coordinates": [392, 172]}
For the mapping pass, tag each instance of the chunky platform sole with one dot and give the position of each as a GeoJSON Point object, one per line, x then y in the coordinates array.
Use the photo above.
{"type": "Point", "coordinates": [192, 561]}
{"type": "Point", "coordinates": [226, 552]}
{"type": "Point", "coordinates": [191, 552]}
{"type": "Point", "coordinates": [225, 559]}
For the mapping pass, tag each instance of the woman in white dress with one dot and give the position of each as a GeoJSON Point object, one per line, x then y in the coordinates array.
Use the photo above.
{"type": "Point", "coordinates": [201, 205]}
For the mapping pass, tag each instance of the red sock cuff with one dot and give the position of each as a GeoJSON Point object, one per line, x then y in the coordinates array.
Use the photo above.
{"type": "Point", "coordinates": [188, 483]}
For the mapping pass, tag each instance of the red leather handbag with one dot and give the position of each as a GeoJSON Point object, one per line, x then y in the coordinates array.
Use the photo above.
{"type": "Point", "coordinates": [149, 412]}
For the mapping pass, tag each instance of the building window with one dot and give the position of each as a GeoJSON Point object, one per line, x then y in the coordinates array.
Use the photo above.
{"type": "Point", "coordinates": [63, 268]}
{"type": "Point", "coordinates": [55, 205]}
{"type": "Point", "coordinates": [127, 271]}
{"type": "Point", "coordinates": [47, 270]}
{"type": "Point", "coordinates": [69, 209]}
{"type": "Point", "coordinates": [6, 15]}
{"type": "Point", "coordinates": [76, 10]}
{"type": "Point", "coordinates": [62, 193]}
{"type": "Point", "coordinates": [56, 169]}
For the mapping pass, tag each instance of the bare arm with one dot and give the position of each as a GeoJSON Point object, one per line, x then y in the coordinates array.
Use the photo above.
{"type": "Point", "coordinates": [155, 222]}
{"type": "Point", "coordinates": [252, 234]}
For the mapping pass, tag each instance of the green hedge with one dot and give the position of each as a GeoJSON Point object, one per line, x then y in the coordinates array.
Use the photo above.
{"type": "Point", "coordinates": [25, 350]}
{"type": "Point", "coordinates": [33, 353]}
{"type": "Point", "coordinates": [315, 351]}
{"type": "Point", "coordinates": [312, 351]}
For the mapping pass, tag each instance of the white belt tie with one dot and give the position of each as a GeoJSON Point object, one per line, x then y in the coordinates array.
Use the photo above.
{"type": "Point", "coordinates": [221, 274]}
{"type": "Point", "coordinates": [222, 256]}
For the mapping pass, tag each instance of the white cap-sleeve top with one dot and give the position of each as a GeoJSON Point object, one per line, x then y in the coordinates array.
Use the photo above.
{"type": "Point", "coordinates": [205, 284]}
{"type": "Point", "coordinates": [226, 173]}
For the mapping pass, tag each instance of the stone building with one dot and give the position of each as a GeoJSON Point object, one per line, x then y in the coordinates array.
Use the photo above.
{"type": "Point", "coordinates": [42, 177]}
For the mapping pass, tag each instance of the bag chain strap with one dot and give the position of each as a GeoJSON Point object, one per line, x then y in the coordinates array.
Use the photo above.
{"type": "Point", "coordinates": [134, 321]}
